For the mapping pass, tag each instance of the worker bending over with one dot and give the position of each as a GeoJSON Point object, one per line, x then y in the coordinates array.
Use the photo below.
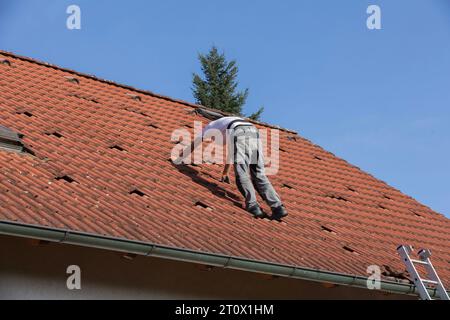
{"type": "Point", "coordinates": [248, 159]}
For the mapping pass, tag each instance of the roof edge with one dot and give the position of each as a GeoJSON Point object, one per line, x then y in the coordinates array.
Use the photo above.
{"type": "Point", "coordinates": [124, 86]}
{"type": "Point", "coordinates": [185, 255]}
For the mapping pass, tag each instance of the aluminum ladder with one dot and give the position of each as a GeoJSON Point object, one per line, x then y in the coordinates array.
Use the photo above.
{"type": "Point", "coordinates": [433, 278]}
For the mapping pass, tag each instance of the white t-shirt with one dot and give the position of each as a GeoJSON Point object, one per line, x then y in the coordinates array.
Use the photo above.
{"type": "Point", "coordinates": [223, 124]}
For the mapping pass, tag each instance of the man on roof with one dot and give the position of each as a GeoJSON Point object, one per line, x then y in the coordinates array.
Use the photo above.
{"type": "Point", "coordinates": [245, 152]}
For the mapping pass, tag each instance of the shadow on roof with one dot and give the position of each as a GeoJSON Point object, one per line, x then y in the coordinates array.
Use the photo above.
{"type": "Point", "coordinates": [214, 188]}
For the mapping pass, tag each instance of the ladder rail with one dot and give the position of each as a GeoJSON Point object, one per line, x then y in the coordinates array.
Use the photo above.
{"type": "Point", "coordinates": [432, 274]}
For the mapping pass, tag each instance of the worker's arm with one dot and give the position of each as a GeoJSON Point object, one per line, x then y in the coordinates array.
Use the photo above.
{"type": "Point", "coordinates": [228, 162]}
{"type": "Point", "coordinates": [189, 150]}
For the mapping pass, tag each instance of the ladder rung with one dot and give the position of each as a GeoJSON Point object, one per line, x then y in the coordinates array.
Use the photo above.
{"type": "Point", "coordinates": [419, 262]}
{"type": "Point", "coordinates": [429, 281]}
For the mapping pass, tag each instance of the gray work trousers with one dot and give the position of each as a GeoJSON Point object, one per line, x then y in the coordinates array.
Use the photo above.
{"type": "Point", "coordinates": [249, 167]}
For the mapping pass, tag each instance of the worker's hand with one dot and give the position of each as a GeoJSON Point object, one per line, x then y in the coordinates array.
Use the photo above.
{"type": "Point", "coordinates": [178, 161]}
{"type": "Point", "coordinates": [225, 179]}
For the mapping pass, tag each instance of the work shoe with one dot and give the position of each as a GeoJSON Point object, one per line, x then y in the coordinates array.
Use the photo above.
{"type": "Point", "coordinates": [279, 212]}
{"type": "Point", "coordinates": [256, 211]}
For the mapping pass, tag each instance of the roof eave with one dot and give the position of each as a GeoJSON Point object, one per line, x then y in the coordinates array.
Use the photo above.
{"type": "Point", "coordinates": [179, 254]}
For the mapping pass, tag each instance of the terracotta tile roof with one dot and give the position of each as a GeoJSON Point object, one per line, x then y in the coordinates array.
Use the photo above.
{"type": "Point", "coordinates": [102, 166]}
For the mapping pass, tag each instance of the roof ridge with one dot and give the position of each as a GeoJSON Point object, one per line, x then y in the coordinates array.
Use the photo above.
{"type": "Point", "coordinates": [148, 92]}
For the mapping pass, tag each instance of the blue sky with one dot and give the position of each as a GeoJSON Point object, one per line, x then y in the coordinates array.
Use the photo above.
{"type": "Point", "coordinates": [378, 98]}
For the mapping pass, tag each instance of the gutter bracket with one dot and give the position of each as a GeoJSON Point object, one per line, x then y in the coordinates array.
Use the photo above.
{"type": "Point", "coordinates": [227, 263]}
{"type": "Point", "coordinates": [149, 253]}
{"type": "Point", "coordinates": [294, 270]}
{"type": "Point", "coordinates": [63, 239]}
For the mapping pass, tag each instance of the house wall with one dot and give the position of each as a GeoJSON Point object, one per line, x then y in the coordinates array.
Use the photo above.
{"type": "Point", "coordinates": [34, 271]}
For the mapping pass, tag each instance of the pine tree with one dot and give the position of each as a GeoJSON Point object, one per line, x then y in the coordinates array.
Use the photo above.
{"type": "Point", "coordinates": [218, 89]}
